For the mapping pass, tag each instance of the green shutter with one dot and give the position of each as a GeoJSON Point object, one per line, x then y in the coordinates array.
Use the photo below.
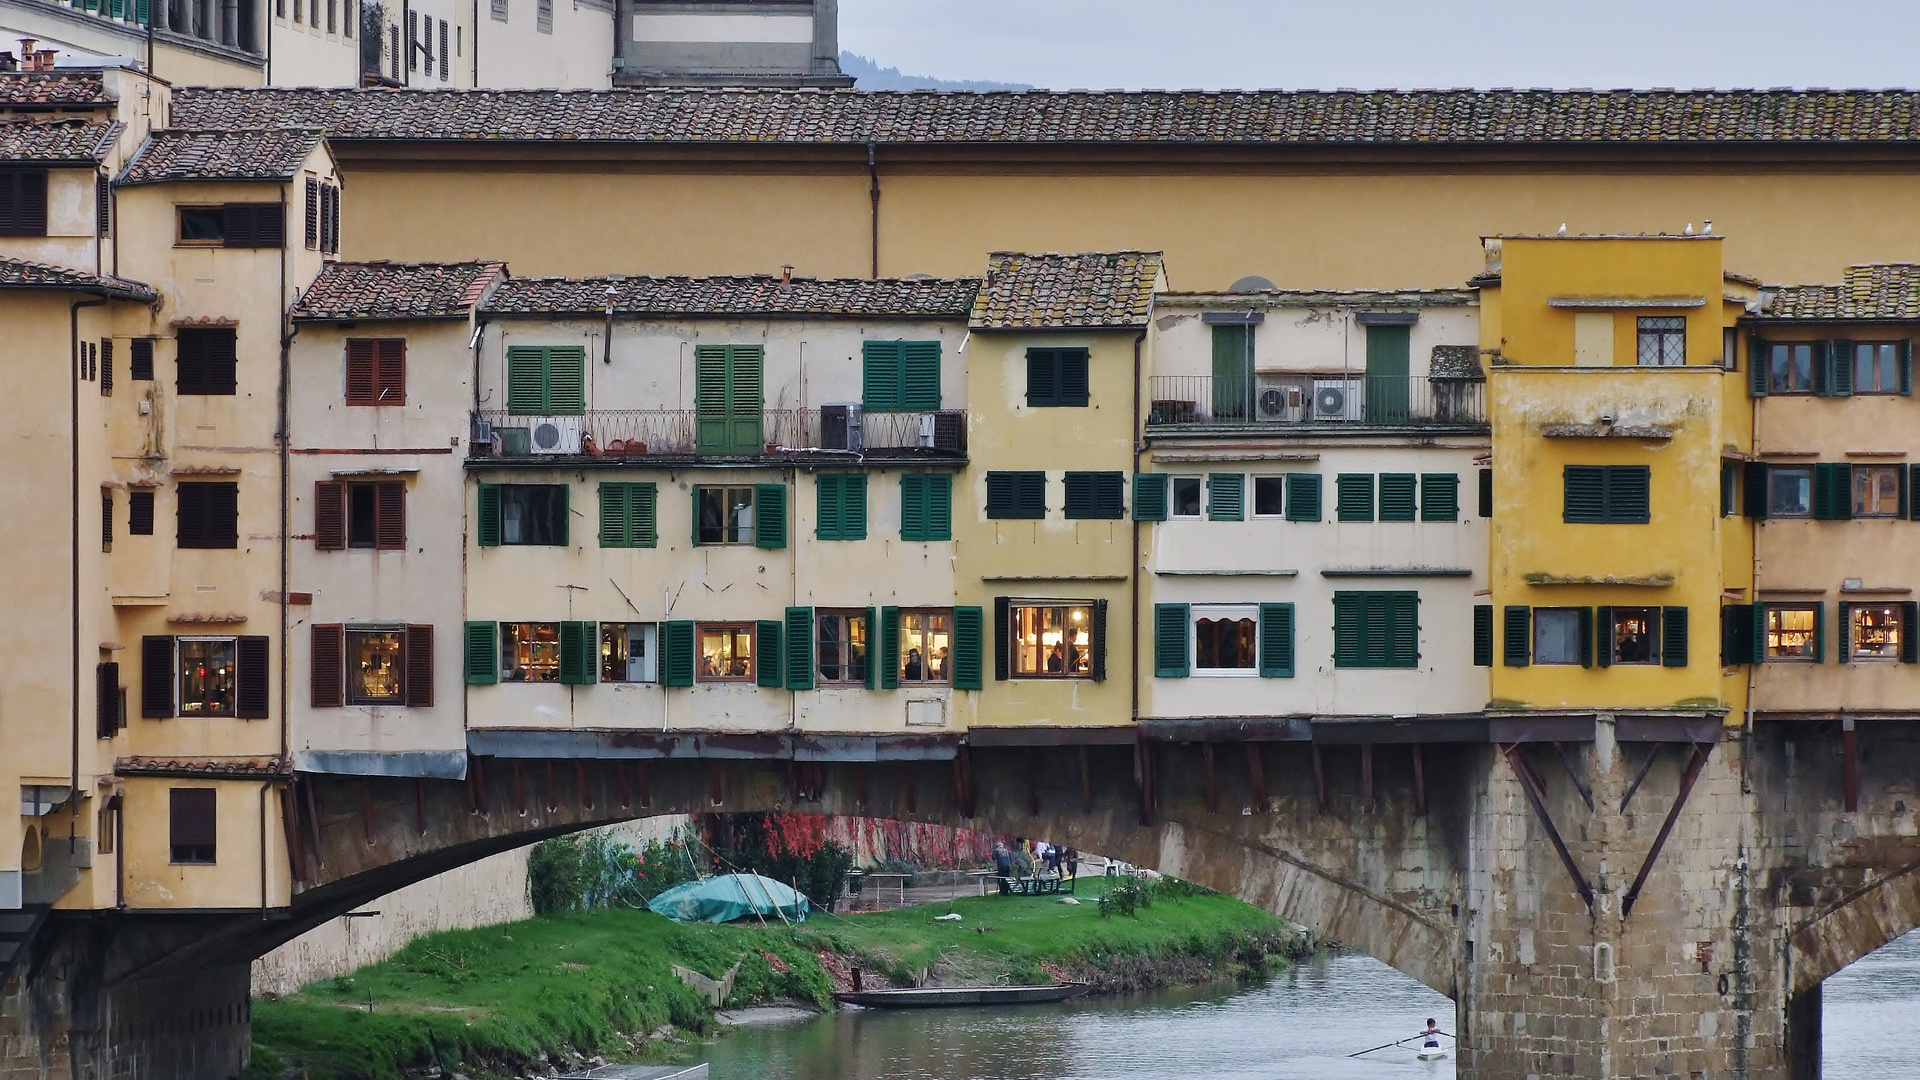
{"type": "Point", "coordinates": [827, 503]}
{"type": "Point", "coordinates": [1758, 367]}
{"type": "Point", "coordinates": [1822, 368]}
{"type": "Point", "coordinates": [728, 394]}
{"type": "Point", "coordinates": [1353, 496]}
{"type": "Point", "coordinates": [578, 653]}
{"type": "Point", "coordinates": [642, 520]}
{"type": "Point", "coordinates": [142, 12]}
{"type": "Point", "coordinates": [882, 375]}
{"type": "Point", "coordinates": [768, 668]}
{"type": "Point", "coordinates": [566, 380]}
{"type": "Point", "coordinates": [969, 648]}
{"type": "Point", "coordinates": [1629, 494]}
{"type": "Point", "coordinates": [547, 379]}
{"type": "Point", "coordinates": [1150, 496]}
{"type": "Point", "coordinates": [799, 654]}
{"type": "Point", "coordinates": [1673, 637]}
{"type": "Point", "coordinates": [676, 653]}
{"type": "Point", "coordinates": [1909, 622]}
{"type": "Point", "coordinates": [1170, 641]}
{"type": "Point", "coordinates": [1483, 635]}
{"type": "Point", "coordinates": [1517, 650]}
{"type": "Point", "coordinates": [1226, 497]}
{"type": "Point", "coordinates": [1840, 383]}
{"type": "Point", "coordinates": [920, 383]}
{"type": "Point", "coordinates": [1097, 663]}
{"type": "Point", "coordinates": [1397, 496]}
{"type": "Point", "coordinates": [710, 398]}
{"type": "Point", "coordinates": [939, 489]}
{"type": "Point", "coordinates": [913, 506]}
{"type": "Point", "coordinates": [1303, 496]}
{"type": "Point", "coordinates": [873, 667]}
{"type": "Point", "coordinates": [853, 506]}
{"type": "Point", "coordinates": [1079, 500]}
{"type": "Point", "coordinates": [888, 650]}
{"type": "Point", "coordinates": [1736, 634]}
{"type": "Point", "coordinates": [1585, 618]}
{"type": "Point", "coordinates": [1276, 641]}
{"type": "Point", "coordinates": [615, 511]}
{"type": "Point", "coordinates": [1603, 636]}
{"type": "Point", "coordinates": [1585, 494]}
{"type": "Point", "coordinates": [1348, 619]}
{"type": "Point", "coordinates": [1753, 490]}
{"type": "Point", "coordinates": [489, 515]}
{"type": "Point", "coordinates": [1439, 497]}
{"type": "Point", "coordinates": [1906, 368]}
{"type": "Point", "coordinates": [1843, 627]}
{"type": "Point", "coordinates": [483, 653]}
{"type": "Point", "coordinates": [1819, 634]}
{"type": "Point", "coordinates": [1403, 629]}
{"type": "Point", "coordinates": [770, 516]}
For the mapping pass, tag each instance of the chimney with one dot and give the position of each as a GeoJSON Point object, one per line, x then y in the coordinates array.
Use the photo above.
{"type": "Point", "coordinates": [28, 61]}
{"type": "Point", "coordinates": [786, 274]}
{"type": "Point", "coordinates": [43, 59]}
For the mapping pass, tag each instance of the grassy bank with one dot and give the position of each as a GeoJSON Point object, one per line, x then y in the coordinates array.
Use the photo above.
{"type": "Point", "coordinates": [501, 1000]}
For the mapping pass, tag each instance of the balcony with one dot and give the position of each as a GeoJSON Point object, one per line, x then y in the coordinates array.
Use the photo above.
{"type": "Point", "coordinates": [829, 433]}
{"type": "Point", "coordinates": [1321, 401]}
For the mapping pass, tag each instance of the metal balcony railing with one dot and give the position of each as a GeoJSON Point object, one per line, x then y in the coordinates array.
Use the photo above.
{"type": "Point", "coordinates": [1305, 398]}
{"type": "Point", "coordinates": [631, 433]}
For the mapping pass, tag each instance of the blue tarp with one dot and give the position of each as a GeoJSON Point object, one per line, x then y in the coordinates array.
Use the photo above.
{"type": "Point", "coordinates": [727, 897]}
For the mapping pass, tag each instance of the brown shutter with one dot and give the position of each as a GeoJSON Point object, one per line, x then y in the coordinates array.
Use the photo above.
{"type": "Point", "coordinates": [156, 677]}
{"type": "Point", "coordinates": [329, 668]}
{"type": "Point", "coordinates": [390, 515]}
{"type": "Point", "coordinates": [223, 515]}
{"type": "Point", "coordinates": [361, 366]}
{"type": "Point", "coordinates": [253, 696]}
{"type": "Point", "coordinates": [390, 382]}
{"type": "Point", "coordinates": [191, 818]}
{"type": "Point", "coordinates": [106, 699]}
{"type": "Point", "coordinates": [313, 213]}
{"type": "Point", "coordinates": [420, 667]}
{"type": "Point", "coordinates": [329, 515]}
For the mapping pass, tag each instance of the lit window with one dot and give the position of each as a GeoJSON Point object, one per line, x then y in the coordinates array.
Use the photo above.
{"type": "Point", "coordinates": [530, 652]}
{"type": "Point", "coordinates": [207, 676]}
{"type": "Point", "coordinates": [1792, 632]}
{"type": "Point", "coordinates": [1186, 496]}
{"type": "Point", "coordinates": [376, 666]}
{"type": "Point", "coordinates": [1663, 341]}
{"type": "Point", "coordinates": [840, 649]}
{"type": "Point", "coordinates": [1876, 491]}
{"type": "Point", "coordinates": [1874, 632]}
{"type": "Point", "coordinates": [926, 646]}
{"type": "Point", "coordinates": [629, 652]}
{"type": "Point", "coordinates": [726, 515]}
{"type": "Point", "coordinates": [1876, 367]}
{"type": "Point", "coordinates": [1226, 640]}
{"type": "Point", "coordinates": [1636, 635]}
{"type": "Point", "coordinates": [1052, 641]}
{"type": "Point", "coordinates": [1790, 369]}
{"type": "Point", "coordinates": [726, 652]}
{"type": "Point", "coordinates": [1790, 492]}
{"type": "Point", "coordinates": [1556, 635]}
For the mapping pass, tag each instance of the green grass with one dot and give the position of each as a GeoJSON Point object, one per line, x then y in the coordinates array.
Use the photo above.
{"type": "Point", "coordinates": [495, 1001]}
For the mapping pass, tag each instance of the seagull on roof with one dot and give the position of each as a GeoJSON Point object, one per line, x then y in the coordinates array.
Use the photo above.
{"type": "Point", "coordinates": [1563, 228]}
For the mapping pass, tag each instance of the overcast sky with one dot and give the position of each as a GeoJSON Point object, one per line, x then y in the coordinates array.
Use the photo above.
{"type": "Point", "coordinates": [1295, 44]}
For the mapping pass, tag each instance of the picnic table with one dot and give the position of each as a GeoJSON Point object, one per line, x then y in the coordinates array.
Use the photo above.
{"type": "Point", "coordinates": [1034, 885]}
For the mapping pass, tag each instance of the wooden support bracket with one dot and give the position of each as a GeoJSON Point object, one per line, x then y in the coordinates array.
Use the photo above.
{"type": "Point", "coordinates": [1535, 790]}
{"type": "Point", "coordinates": [553, 792]}
{"type": "Point", "coordinates": [1257, 778]}
{"type": "Point", "coordinates": [519, 789]}
{"type": "Point", "coordinates": [1143, 780]}
{"type": "Point", "coordinates": [1212, 790]}
{"type": "Point", "coordinates": [641, 781]}
{"type": "Point", "coordinates": [1366, 778]}
{"type": "Point", "coordinates": [419, 807]}
{"type": "Point", "coordinates": [1033, 784]}
{"type": "Point", "coordinates": [1850, 764]}
{"type": "Point", "coordinates": [580, 777]}
{"type": "Point", "coordinates": [1419, 780]}
{"type": "Point", "coordinates": [626, 789]}
{"type": "Point", "coordinates": [476, 785]}
{"type": "Point", "coordinates": [1696, 761]}
{"type": "Point", "coordinates": [1086, 780]}
{"type": "Point", "coordinates": [1319, 778]}
{"type": "Point", "coordinates": [366, 812]}
{"type": "Point", "coordinates": [963, 795]}
{"type": "Point", "coordinates": [717, 783]}
{"type": "Point", "coordinates": [313, 825]}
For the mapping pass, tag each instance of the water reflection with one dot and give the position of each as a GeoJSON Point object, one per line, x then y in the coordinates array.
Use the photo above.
{"type": "Point", "coordinates": [1868, 1010]}
{"type": "Point", "coordinates": [1299, 1026]}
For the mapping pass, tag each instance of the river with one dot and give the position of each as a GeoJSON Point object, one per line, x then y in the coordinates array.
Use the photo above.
{"type": "Point", "coordinates": [1299, 1025]}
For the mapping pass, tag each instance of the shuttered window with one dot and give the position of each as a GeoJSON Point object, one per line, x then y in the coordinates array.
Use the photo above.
{"type": "Point", "coordinates": [547, 380]}
{"type": "Point", "coordinates": [23, 202]}
{"type": "Point", "coordinates": [140, 358]}
{"type": "Point", "coordinates": [106, 367]}
{"type": "Point", "coordinates": [156, 677]}
{"type": "Point", "coordinates": [1673, 637]}
{"type": "Point", "coordinates": [627, 515]}
{"type": "Point", "coordinates": [1439, 497]}
{"type": "Point", "coordinates": [926, 506]}
{"type": "Point", "coordinates": [1276, 641]}
{"type": "Point", "coordinates": [376, 371]}
{"type": "Point", "coordinates": [728, 395]}
{"type": "Point", "coordinates": [1376, 629]}
{"type": "Point", "coordinates": [1518, 646]}
{"type": "Point", "coordinates": [327, 666]}
{"type": "Point", "coordinates": [1832, 491]}
{"type": "Point", "coordinates": [1397, 496]}
{"type": "Point", "coordinates": [109, 703]}
{"type": "Point", "coordinates": [531, 514]}
{"type": "Point", "coordinates": [1019, 495]}
{"type": "Point", "coordinates": [207, 515]}
{"type": "Point", "coordinates": [677, 653]}
{"type": "Point", "coordinates": [482, 647]}
{"type": "Point", "coordinates": [360, 515]}
{"type": "Point", "coordinates": [1170, 640]}
{"type": "Point", "coordinates": [1056, 378]}
{"type": "Point", "coordinates": [192, 816]}
{"type": "Point", "coordinates": [1100, 495]}
{"type": "Point", "coordinates": [1149, 496]}
{"type": "Point", "coordinates": [969, 648]}
{"type": "Point", "coordinates": [799, 634]}
{"type": "Point", "coordinates": [233, 225]}
{"type": "Point", "coordinates": [770, 516]}
{"type": "Point", "coordinates": [579, 653]}
{"type": "Point", "coordinates": [1226, 497]}
{"type": "Point", "coordinates": [253, 691]}
{"type": "Point", "coordinates": [1607, 494]}
{"type": "Point", "coordinates": [312, 206]}
{"type": "Point", "coordinates": [1486, 493]}
{"type": "Point", "coordinates": [206, 361]}
{"type": "Point", "coordinates": [1303, 496]}
{"type": "Point", "coordinates": [900, 376]}
{"type": "Point", "coordinates": [840, 506]}
{"type": "Point", "coordinates": [1353, 493]}
{"type": "Point", "coordinates": [1483, 635]}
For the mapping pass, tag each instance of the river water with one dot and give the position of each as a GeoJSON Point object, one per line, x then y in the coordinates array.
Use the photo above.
{"type": "Point", "coordinates": [1300, 1025]}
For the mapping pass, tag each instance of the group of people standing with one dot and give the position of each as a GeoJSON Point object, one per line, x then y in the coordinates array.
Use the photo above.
{"type": "Point", "coordinates": [1024, 856]}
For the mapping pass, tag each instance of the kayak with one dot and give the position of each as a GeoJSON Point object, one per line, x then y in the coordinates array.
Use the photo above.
{"type": "Point", "coordinates": [932, 997]}
{"type": "Point", "coordinates": [1431, 1053]}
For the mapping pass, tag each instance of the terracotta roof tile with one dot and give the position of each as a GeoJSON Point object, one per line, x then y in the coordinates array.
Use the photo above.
{"type": "Point", "coordinates": [383, 290]}
{"type": "Point", "coordinates": [21, 274]}
{"type": "Point", "coordinates": [52, 88]}
{"type": "Point", "coordinates": [768, 115]}
{"type": "Point", "coordinates": [762, 295]}
{"type": "Point", "coordinates": [78, 141]}
{"type": "Point", "coordinates": [1092, 291]}
{"type": "Point", "coordinates": [210, 768]}
{"type": "Point", "coordinates": [265, 154]}
{"type": "Point", "coordinates": [1876, 292]}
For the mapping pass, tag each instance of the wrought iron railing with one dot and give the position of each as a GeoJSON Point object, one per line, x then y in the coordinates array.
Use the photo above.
{"type": "Point", "coordinates": [689, 432]}
{"type": "Point", "coordinates": [1183, 400]}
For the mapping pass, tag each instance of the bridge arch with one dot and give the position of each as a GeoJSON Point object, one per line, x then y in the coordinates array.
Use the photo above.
{"type": "Point", "coordinates": [1860, 921]}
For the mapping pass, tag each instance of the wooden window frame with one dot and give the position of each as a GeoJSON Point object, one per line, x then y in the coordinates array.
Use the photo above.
{"type": "Point", "coordinates": [1784, 350]}
{"type": "Point", "coordinates": [1611, 639]}
{"type": "Point", "coordinates": [348, 652]}
{"type": "Point", "coordinates": [1902, 378]}
{"type": "Point", "coordinates": [907, 614]}
{"type": "Point", "coordinates": [216, 709]}
{"type": "Point", "coordinates": [510, 669]}
{"type": "Point", "coordinates": [1196, 613]}
{"type": "Point", "coordinates": [606, 658]}
{"type": "Point", "coordinates": [1864, 475]}
{"type": "Point", "coordinates": [847, 617]}
{"type": "Point", "coordinates": [743, 535]}
{"type": "Point", "coordinates": [1774, 475]}
{"type": "Point", "coordinates": [700, 632]}
{"type": "Point", "coordinates": [1768, 626]}
{"type": "Point", "coordinates": [1276, 481]}
{"type": "Point", "coordinates": [1850, 616]}
{"type": "Point", "coordinates": [1068, 609]}
{"type": "Point", "coordinates": [1197, 485]}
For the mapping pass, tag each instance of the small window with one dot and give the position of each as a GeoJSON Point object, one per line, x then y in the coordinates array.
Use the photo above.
{"type": "Point", "coordinates": [1057, 378]}
{"type": "Point", "coordinates": [726, 652]}
{"type": "Point", "coordinates": [1874, 632]}
{"type": "Point", "coordinates": [629, 652]}
{"type": "Point", "coordinates": [1663, 341]}
{"type": "Point", "coordinates": [1793, 632]}
{"type": "Point", "coordinates": [530, 652]}
{"type": "Point", "coordinates": [1607, 494]}
{"type": "Point", "coordinates": [1636, 635]}
{"type": "Point", "coordinates": [106, 519]}
{"type": "Point", "coordinates": [140, 512]}
{"type": "Point", "coordinates": [1790, 492]}
{"type": "Point", "coordinates": [1376, 629]}
{"type": "Point", "coordinates": [191, 825]}
{"type": "Point", "coordinates": [1876, 367]}
{"type": "Point", "coordinates": [726, 515]}
{"type": "Point", "coordinates": [376, 515]}
{"type": "Point", "coordinates": [840, 646]}
{"type": "Point", "coordinates": [1096, 495]}
{"type": "Point", "coordinates": [1876, 491]}
{"type": "Point", "coordinates": [140, 359]}
{"type": "Point", "coordinates": [1186, 496]}
{"type": "Point", "coordinates": [376, 667]}
{"type": "Point", "coordinates": [376, 371]}
{"type": "Point", "coordinates": [1052, 640]}
{"type": "Point", "coordinates": [1226, 640]}
{"type": "Point", "coordinates": [1790, 368]}
{"type": "Point", "coordinates": [206, 361]}
{"type": "Point", "coordinates": [207, 515]}
{"type": "Point", "coordinates": [1268, 496]}
{"type": "Point", "coordinates": [208, 675]}
{"type": "Point", "coordinates": [543, 17]}
{"type": "Point", "coordinates": [23, 202]}
{"type": "Point", "coordinates": [1556, 635]}
{"type": "Point", "coordinates": [533, 514]}
{"type": "Point", "coordinates": [233, 225]}
{"type": "Point", "coordinates": [926, 647]}
{"type": "Point", "coordinates": [498, 8]}
{"type": "Point", "coordinates": [1018, 495]}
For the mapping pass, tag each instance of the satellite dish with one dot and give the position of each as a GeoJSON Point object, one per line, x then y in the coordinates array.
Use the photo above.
{"type": "Point", "coordinates": [1252, 283]}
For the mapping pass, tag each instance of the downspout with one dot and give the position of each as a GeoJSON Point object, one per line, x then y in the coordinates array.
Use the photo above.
{"type": "Point", "coordinates": [1133, 572]}
{"type": "Point", "coordinates": [73, 404]}
{"type": "Point", "coordinates": [873, 178]}
{"type": "Point", "coordinates": [287, 332]}
{"type": "Point", "coordinates": [407, 42]}
{"type": "Point", "coordinates": [475, 85]}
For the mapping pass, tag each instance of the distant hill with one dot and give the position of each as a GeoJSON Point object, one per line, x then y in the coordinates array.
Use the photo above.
{"type": "Point", "coordinates": [872, 76]}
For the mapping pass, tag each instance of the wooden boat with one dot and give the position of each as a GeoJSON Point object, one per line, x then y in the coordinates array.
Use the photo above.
{"type": "Point", "coordinates": [937, 997]}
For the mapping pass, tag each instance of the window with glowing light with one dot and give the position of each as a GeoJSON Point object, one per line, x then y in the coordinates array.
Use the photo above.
{"type": "Point", "coordinates": [207, 680]}
{"type": "Point", "coordinates": [1052, 640]}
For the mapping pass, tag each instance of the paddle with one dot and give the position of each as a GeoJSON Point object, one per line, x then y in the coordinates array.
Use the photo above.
{"type": "Point", "coordinates": [1396, 1042]}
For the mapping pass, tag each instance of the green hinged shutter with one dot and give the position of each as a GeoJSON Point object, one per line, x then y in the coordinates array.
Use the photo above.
{"type": "Point", "coordinates": [1757, 367]}
{"type": "Point", "coordinates": [1585, 494]}
{"type": "Point", "coordinates": [913, 506]}
{"type": "Point", "coordinates": [1673, 637]}
{"type": "Point", "coordinates": [1832, 491]}
{"type": "Point", "coordinates": [1736, 634]}
{"type": "Point", "coordinates": [483, 653]}
{"type": "Point", "coordinates": [1906, 368]}
{"type": "Point", "coordinates": [1002, 638]}
{"type": "Point", "coordinates": [488, 519]}
{"type": "Point", "coordinates": [1439, 497]}
{"type": "Point", "coordinates": [1276, 641]}
{"type": "Point", "coordinates": [1098, 662]}
{"type": "Point", "coordinates": [1603, 636]}
{"type": "Point", "coordinates": [676, 653]}
{"type": "Point", "coordinates": [1303, 496]}
{"type": "Point", "coordinates": [873, 621]}
{"type": "Point", "coordinates": [920, 381]}
{"type": "Point", "coordinates": [841, 508]}
{"type": "Point", "coordinates": [889, 648]}
{"type": "Point", "coordinates": [1585, 619]}
{"type": "Point", "coordinates": [547, 379]}
{"type": "Point", "coordinates": [939, 489]}
{"type": "Point", "coordinates": [1629, 494]}
{"type": "Point", "coordinates": [578, 653]}
{"type": "Point", "coordinates": [799, 643]}
{"type": "Point", "coordinates": [1226, 497]}
{"type": "Point", "coordinates": [969, 648]}
{"type": "Point", "coordinates": [1843, 626]}
{"type": "Point", "coordinates": [1150, 496]}
{"type": "Point", "coordinates": [1397, 496]}
{"type": "Point", "coordinates": [1840, 383]}
{"type": "Point", "coordinates": [881, 375]}
{"type": "Point", "coordinates": [1353, 496]}
{"type": "Point", "coordinates": [1517, 649]}
{"type": "Point", "coordinates": [1753, 490]}
{"type": "Point", "coordinates": [1819, 634]}
{"type": "Point", "coordinates": [1909, 622]}
{"type": "Point", "coordinates": [1483, 635]}
{"type": "Point", "coordinates": [1403, 629]}
{"type": "Point", "coordinates": [613, 515]}
{"type": "Point", "coordinates": [728, 394]}
{"type": "Point", "coordinates": [770, 516]}
{"type": "Point", "coordinates": [1170, 641]}
{"type": "Point", "coordinates": [1348, 630]}
{"type": "Point", "coordinates": [768, 667]}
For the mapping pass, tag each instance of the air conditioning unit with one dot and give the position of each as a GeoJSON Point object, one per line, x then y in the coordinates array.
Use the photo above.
{"type": "Point", "coordinates": [555, 434]}
{"type": "Point", "coordinates": [841, 427]}
{"type": "Point", "coordinates": [1337, 399]}
{"type": "Point", "coordinates": [1281, 398]}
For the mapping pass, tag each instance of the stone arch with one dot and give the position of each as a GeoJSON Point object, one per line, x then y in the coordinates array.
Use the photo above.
{"type": "Point", "coordinates": [1859, 922]}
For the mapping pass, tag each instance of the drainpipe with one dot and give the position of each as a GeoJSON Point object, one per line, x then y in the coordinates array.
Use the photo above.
{"type": "Point", "coordinates": [1133, 572]}
{"type": "Point", "coordinates": [73, 385]}
{"type": "Point", "coordinates": [873, 177]}
{"type": "Point", "coordinates": [287, 333]}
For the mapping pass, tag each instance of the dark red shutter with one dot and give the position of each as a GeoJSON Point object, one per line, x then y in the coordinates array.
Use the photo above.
{"type": "Point", "coordinates": [420, 667]}
{"type": "Point", "coordinates": [156, 677]}
{"type": "Point", "coordinates": [361, 364]}
{"type": "Point", "coordinates": [106, 702]}
{"type": "Point", "coordinates": [253, 698]}
{"type": "Point", "coordinates": [329, 515]}
{"type": "Point", "coordinates": [390, 380]}
{"type": "Point", "coordinates": [191, 817]}
{"type": "Point", "coordinates": [329, 668]}
{"type": "Point", "coordinates": [390, 515]}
